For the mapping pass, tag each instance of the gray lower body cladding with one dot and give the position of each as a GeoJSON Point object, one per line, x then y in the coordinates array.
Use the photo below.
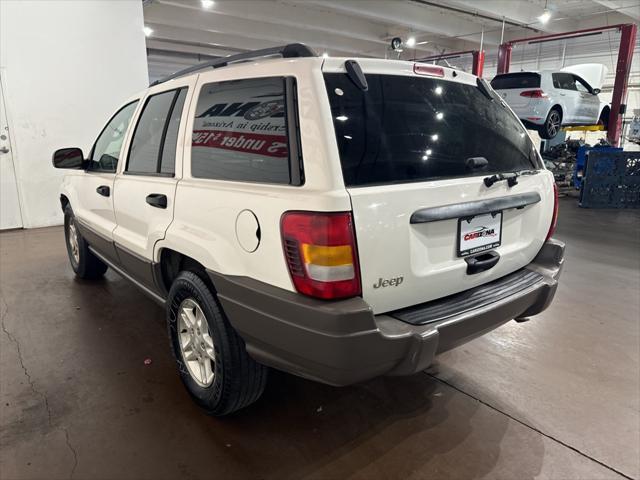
{"type": "Point", "coordinates": [343, 342]}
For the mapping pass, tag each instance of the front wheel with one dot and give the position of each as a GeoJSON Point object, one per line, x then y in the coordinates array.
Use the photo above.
{"type": "Point", "coordinates": [551, 125]}
{"type": "Point", "coordinates": [212, 360]}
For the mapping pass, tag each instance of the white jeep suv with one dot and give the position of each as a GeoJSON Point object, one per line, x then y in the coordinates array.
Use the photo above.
{"type": "Point", "coordinates": [547, 100]}
{"type": "Point", "coordinates": [337, 219]}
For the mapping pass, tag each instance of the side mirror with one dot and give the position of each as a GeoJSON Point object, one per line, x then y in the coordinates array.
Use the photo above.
{"type": "Point", "coordinates": [68, 158]}
{"type": "Point", "coordinates": [596, 91]}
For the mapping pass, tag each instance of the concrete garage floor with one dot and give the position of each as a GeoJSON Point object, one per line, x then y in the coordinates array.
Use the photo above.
{"type": "Point", "coordinates": [557, 397]}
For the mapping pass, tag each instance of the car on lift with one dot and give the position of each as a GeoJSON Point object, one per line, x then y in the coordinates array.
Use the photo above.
{"type": "Point", "coordinates": [337, 219]}
{"type": "Point", "coordinates": [548, 100]}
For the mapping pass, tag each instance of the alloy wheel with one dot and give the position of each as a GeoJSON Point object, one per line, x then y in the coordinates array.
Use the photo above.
{"type": "Point", "coordinates": [196, 343]}
{"type": "Point", "coordinates": [73, 242]}
{"type": "Point", "coordinates": [553, 124]}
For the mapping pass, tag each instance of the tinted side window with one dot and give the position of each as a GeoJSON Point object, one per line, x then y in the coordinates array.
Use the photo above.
{"type": "Point", "coordinates": [153, 147]}
{"type": "Point", "coordinates": [240, 132]}
{"type": "Point", "coordinates": [564, 81]}
{"type": "Point", "coordinates": [168, 161]}
{"type": "Point", "coordinates": [106, 151]}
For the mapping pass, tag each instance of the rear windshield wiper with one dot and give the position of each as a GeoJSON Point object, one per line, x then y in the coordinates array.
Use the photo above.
{"type": "Point", "coordinates": [511, 178]}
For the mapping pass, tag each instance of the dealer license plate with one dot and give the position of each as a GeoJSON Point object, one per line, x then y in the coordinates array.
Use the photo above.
{"type": "Point", "coordinates": [479, 233]}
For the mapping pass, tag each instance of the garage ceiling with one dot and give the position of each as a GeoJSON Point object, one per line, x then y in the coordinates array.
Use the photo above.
{"type": "Point", "coordinates": [187, 31]}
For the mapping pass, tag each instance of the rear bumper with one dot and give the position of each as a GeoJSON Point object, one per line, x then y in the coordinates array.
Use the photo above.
{"type": "Point", "coordinates": [342, 342]}
{"type": "Point", "coordinates": [534, 114]}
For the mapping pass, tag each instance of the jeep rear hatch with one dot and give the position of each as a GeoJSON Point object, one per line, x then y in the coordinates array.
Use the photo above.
{"type": "Point", "coordinates": [414, 152]}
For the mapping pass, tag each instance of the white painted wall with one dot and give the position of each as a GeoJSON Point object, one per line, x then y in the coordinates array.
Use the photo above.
{"type": "Point", "coordinates": [66, 66]}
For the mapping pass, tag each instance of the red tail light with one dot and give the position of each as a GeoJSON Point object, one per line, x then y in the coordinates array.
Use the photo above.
{"type": "Point", "coordinates": [534, 94]}
{"type": "Point", "coordinates": [554, 218]}
{"type": "Point", "coordinates": [320, 250]}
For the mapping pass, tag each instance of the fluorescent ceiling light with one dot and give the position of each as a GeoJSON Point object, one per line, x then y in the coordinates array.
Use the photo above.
{"type": "Point", "coordinates": [546, 15]}
{"type": "Point", "coordinates": [147, 31]}
{"type": "Point", "coordinates": [411, 42]}
{"type": "Point", "coordinates": [342, 118]}
{"type": "Point", "coordinates": [207, 3]}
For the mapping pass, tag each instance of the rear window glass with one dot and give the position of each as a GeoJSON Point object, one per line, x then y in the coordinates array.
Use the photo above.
{"type": "Point", "coordinates": [411, 129]}
{"type": "Point", "coordinates": [240, 132]}
{"type": "Point", "coordinates": [516, 80]}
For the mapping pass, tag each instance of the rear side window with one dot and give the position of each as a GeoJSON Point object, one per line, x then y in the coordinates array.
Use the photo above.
{"type": "Point", "coordinates": [516, 80]}
{"type": "Point", "coordinates": [153, 147]}
{"type": "Point", "coordinates": [411, 129]}
{"type": "Point", "coordinates": [240, 132]}
{"type": "Point", "coordinates": [564, 81]}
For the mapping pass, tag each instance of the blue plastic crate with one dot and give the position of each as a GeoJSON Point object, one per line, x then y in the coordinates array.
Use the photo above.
{"type": "Point", "coordinates": [581, 160]}
{"type": "Point", "coordinates": [611, 180]}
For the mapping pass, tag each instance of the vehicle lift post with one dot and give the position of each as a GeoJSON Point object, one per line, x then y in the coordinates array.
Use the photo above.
{"type": "Point", "coordinates": [476, 55]}
{"type": "Point", "coordinates": [628, 33]}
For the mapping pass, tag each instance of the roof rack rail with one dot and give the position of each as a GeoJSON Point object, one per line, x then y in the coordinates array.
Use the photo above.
{"type": "Point", "coordinates": [291, 50]}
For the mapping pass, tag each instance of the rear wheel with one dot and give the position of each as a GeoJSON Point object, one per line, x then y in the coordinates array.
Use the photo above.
{"type": "Point", "coordinates": [551, 125]}
{"type": "Point", "coordinates": [84, 263]}
{"type": "Point", "coordinates": [212, 360]}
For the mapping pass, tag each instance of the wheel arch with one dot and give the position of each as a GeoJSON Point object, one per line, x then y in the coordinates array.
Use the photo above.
{"type": "Point", "coordinates": [171, 262]}
{"type": "Point", "coordinates": [605, 113]}
{"type": "Point", "coordinates": [558, 106]}
{"type": "Point", "coordinates": [64, 201]}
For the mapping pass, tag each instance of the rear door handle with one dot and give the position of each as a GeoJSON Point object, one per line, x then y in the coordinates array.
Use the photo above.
{"type": "Point", "coordinates": [103, 190]}
{"type": "Point", "coordinates": [482, 262]}
{"type": "Point", "coordinates": [157, 200]}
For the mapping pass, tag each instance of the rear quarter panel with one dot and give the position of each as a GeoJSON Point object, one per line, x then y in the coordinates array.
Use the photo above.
{"type": "Point", "coordinates": [206, 210]}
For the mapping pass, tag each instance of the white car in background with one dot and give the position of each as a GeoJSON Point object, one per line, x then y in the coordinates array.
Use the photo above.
{"type": "Point", "coordinates": [547, 100]}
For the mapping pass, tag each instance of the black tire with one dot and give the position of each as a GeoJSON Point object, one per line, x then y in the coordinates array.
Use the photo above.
{"type": "Point", "coordinates": [85, 264]}
{"type": "Point", "coordinates": [238, 380]}
{"type": "Point", "coordinates": [552, 124]}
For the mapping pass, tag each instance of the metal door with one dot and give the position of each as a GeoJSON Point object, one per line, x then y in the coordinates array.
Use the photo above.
{"type": "Point", "coordinates": [10, 214]}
